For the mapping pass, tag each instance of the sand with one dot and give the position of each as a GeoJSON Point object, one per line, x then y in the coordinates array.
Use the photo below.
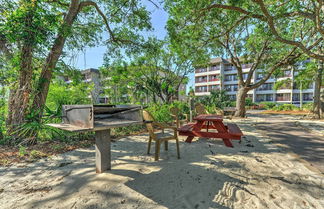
{"type": "Point", "coordinates": [253, 174]}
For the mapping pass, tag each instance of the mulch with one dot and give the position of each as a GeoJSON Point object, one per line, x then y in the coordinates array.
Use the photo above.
{"type": "Point", "coordinates": [11, 154]}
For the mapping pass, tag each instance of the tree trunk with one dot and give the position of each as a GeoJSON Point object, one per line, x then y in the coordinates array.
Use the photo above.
{"type": "Point", "coordinates": [317, 109]}
{"type": "Point", "coordinates": [240, 102]}
{"type": "Point", "coordinates": [52, 58]}
{"type": "Point", "coordinates": [18, 102]}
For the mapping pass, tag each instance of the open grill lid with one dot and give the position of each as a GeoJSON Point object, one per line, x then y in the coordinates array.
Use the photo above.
{"type": "Point", "coordinates": [98, 117]}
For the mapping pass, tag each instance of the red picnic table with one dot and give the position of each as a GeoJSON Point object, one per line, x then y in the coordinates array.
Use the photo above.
{"type": "Point", "coordinates": [211, 122]}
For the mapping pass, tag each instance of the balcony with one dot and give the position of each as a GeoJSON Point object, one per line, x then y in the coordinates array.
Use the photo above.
{"type": "Point", "coordinates": [214, 68]}
{"type": "Point", "coordinates": [282, 99]}
{"type": "Point", "coordinates": [230, 68]}
{"type": "Point", "coordinates": [201, 90]}
{"type": "Point", "coordinates": [201, 70]}
{"type": "Point", "coordinates": [213, 88]}
{"type": "Point", "coordinates": [244, 66]}
{"type": "Point", "coordinates": [201, 81]}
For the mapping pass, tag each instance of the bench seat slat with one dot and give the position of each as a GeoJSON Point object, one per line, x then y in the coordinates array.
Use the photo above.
{"type": "Point", "coordinates": [187, 127]}
{"type": "Point", "coordinates": [233, 129]}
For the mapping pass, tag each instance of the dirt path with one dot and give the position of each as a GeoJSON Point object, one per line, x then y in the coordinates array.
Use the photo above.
{"type": "Point", "coordinates": [284, 131]}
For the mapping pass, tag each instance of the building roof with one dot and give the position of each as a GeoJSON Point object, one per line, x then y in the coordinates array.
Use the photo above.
{"type": "Point", "coordinates": [218, 60]}
{"type": "Point", "coordinates": [90, 70]}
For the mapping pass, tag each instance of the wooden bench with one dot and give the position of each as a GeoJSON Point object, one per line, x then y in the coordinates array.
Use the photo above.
{"type": "Point", "coordinates": [233, 129]}
{"type": "Point", "coordinates": [187, 127]}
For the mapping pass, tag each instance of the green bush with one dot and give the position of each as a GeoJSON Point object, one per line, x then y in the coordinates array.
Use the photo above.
{"type": "Point", "coordinates": [161, 112]}
{"type": "Point", "coordinates": [217, 98]}
{"type": "Point", "coordinates": [308, 106]}
{"type": "Point", "coordinates": [22, 151]}
{"type": "Point", "coordinates": [35, 154]}
{"type": "Point", "coordinates": [285, 107]}
{"type": "Point", "coordinates": [268, 105]}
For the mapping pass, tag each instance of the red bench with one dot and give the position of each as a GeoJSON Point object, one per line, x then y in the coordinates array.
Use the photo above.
{"type": "Point", "coordinates": [233, 129]}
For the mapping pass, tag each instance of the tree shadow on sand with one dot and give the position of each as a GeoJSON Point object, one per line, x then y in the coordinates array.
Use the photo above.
{"type": "Point", "coordinates": [190, 182]}
{"type": "Point", "coordinates": [198, 180]}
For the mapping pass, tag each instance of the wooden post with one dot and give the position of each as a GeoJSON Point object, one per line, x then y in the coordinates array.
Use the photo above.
{"type": "Point", "coordinates": [103, 152]}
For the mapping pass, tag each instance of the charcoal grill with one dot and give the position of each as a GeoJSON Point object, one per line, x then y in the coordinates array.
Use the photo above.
{"type": "Point", "coordinates": [100, 119]}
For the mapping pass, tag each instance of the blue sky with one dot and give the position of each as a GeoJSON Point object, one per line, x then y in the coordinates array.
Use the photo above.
{"type": "Point", "coordinates": [93, 57]}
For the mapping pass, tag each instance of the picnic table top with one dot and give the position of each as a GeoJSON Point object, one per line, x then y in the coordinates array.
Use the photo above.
{"type": "Point", "coordinates": [209, 117]}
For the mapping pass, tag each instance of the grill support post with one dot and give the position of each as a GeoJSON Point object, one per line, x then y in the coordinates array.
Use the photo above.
{"type": "Point", "coordinates": [103, 151]}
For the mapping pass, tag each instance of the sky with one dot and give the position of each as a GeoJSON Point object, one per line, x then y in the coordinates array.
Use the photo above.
{"type": "Point", "coordinates": [93, 57]}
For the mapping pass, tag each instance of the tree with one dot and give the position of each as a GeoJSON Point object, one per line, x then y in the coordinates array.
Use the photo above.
{"type": "Point", "coordinates": [313, 73]}
{"type": "Point", "coordinates": [224, 32]}
{"type": "Point", "coordinates": [35, 34]}
{"type": "Point", "coordinates": [157, 73]}
{"type": "Point", "coordinates": [281, 16]}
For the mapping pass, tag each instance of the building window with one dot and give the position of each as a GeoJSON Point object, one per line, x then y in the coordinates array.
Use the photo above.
{"type": "Point", "coordinates": [201, 70]}
{"type": "Point", "coordinates": [246, 66]}
{"type": "Point", "coordinates": [214, 67]}
{"type": "Point", "coordinates": [228, 78]}
{"type": "Point", "coordinates": [232, 97]}
{"type": "Point", "coordinates": [201, 88]}
{"type": "Point", "coordinates": [285, 74]}
{"type": "Point", "coordinates": [233, 87]}
{"type": "Point", "coordinates": [213, 87]}
{"type": "Point", "coordinates": [231, 77]}
{"type": "Point", "coordinates": [308, 96]}
{"type": "Point", "coordinates": [229, 67]}
{"type": "Point", "coordinates": [265, 86]}
{"type": "Point", "coordinates": [283, 97]}
{"type": "Point", "coordinates": [213, 78]}
{"type": "Point", "coordinates": [201, 79]}
{"type": "Point", "coordinates": [228, 88]}
{"type": "Point", "coordinates": [296, 97]}
{"type": "Point", "coordinates": [264, 97]}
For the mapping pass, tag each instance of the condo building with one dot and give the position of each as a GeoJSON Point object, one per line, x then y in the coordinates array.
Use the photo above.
{"type": "Point", "coordinates": [221, 74]}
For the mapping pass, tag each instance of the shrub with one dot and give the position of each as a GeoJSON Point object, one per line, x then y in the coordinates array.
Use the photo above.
{"type": "Point", "coordinates": [34, 154]}
{"type": "Point", "coordinates": [248, 102]}
{"type": "Point", "coordinates": [308, 106]}
{"type": "Point", "coordinates": [268, 105]}
{"type": "Point", "coordinates": [217, 98]}
{"type": "Point", "coordinates": [161, 112]}
{"type": "Point", "coordinates": [285, 107]}
{"type": "Point", "coordinates": [22, 151]}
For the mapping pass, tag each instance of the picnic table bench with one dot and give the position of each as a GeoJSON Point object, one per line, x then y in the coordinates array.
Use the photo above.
{"type": "Point", "coordinates": [211, 122]}
{"type": "Point", "coordinates": [229, 110]}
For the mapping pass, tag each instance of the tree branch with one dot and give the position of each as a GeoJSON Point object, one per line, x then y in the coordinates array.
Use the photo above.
{"type": "Point", "coordinates": [266, 17]}
{"type": "Point", "coordinates": [270, 21]}
{"type": "Point", "coordinates": [233, 8]}
{"type": "Point", "coordinates": [284, 61]}
{"type": "Point", "coordinates": [58, 2]}
{"type": "Point", "coordinates": [94, 4]}
{"type": "Point", "coordinates": [257, 62]}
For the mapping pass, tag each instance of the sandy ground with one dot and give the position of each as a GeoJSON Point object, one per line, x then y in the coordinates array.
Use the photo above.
{"type": "Point", "coordinates": [253, 174]}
